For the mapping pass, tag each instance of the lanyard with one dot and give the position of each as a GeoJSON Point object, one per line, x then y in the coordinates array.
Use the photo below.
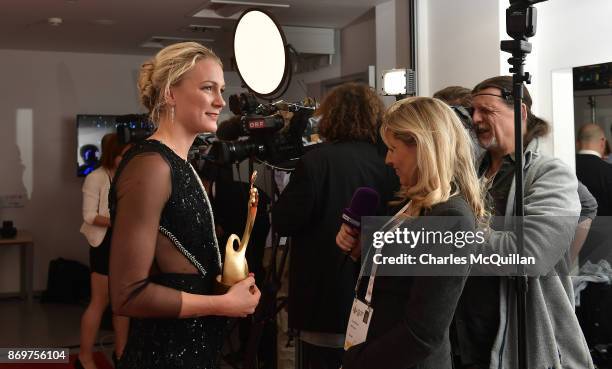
{"type": "Point", "coordinates": [390, 225]}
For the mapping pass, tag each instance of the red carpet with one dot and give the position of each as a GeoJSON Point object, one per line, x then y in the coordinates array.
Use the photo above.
{"type": "Point", "coordinates": [99, 358]}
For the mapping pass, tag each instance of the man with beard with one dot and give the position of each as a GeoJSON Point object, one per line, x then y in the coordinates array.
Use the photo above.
{"type": "Point", "coordinates": [486, 325]}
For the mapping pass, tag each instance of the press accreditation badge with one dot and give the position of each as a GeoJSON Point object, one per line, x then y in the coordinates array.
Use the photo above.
{"type": "Point", "coordinates": [358, 324]}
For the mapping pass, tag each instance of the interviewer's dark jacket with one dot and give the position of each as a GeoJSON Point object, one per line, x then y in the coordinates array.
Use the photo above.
{"type": "Point", "coordinates": [412, 314]}
{"type": "Point", "coordinates": [322, 278]}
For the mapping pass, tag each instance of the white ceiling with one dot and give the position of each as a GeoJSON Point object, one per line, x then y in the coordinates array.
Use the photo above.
{"type": "Point", "coordinates": [85, 25]}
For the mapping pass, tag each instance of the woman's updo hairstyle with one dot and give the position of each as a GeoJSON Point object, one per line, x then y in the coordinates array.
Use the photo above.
{"type": "Point", "coordinates": [166, 69]}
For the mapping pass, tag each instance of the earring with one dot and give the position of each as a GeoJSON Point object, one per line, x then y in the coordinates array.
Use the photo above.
{"type": "Point", "coordinates": [172, 114]}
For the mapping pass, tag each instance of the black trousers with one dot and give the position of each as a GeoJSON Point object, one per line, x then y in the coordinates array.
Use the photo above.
{"type": "Point", "coordinates": [318, 357]}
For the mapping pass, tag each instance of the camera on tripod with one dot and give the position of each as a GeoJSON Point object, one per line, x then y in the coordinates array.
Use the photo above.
{"type": "Point", "coordinates": [275, 133]}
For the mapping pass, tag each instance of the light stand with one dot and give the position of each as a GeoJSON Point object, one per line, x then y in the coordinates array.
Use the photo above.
{"type": "Point", "coordinates": [269, 305]}
{"type": "Point", "coordinates": [520, 25]}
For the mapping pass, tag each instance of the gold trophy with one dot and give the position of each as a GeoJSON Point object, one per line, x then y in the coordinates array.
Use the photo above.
{"type": "Point", "coordinates": [235, 267]}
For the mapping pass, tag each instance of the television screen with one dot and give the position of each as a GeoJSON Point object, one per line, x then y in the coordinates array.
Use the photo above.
{"type": "Point", "coordinates": [90, 130]}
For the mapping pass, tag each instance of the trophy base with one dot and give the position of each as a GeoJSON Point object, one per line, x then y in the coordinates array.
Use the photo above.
{"type": "Point", "coordinates": [219, 287]}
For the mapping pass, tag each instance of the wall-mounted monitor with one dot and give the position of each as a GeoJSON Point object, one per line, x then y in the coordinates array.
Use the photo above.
{"type": "Point", "coordinates": [92, 127]}
{"type": "Point", "coordinates": [90, 130]}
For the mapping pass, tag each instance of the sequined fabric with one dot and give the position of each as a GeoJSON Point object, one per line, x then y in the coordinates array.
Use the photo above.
{"type": "Point", "coordinates": [175, 343]}
{"type": "Point", "coordinates": [161, 340]}
{"type": "Point", "coordinates": [187, 216]}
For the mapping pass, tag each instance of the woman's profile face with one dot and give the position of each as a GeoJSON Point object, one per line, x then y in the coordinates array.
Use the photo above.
{"type": "Point", "coordinates": [402, 156]}
{"type": "Point", "coordinates": [197, 98]}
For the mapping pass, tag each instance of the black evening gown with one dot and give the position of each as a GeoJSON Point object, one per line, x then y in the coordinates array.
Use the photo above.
{"type": "Point", "coordinates": [163, 242]}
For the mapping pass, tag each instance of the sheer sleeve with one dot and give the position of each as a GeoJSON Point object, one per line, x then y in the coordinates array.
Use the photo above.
{"type": "Point", "coordinates": [142, 190]}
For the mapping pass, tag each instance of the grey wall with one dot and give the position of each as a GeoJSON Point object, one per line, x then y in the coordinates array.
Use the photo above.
{"type": "Point", "coordinates": [358, 41]}
{"type": "Point", "coordinates": [458, 43]}
{"type": "Point", "coordinates": [38, 140]}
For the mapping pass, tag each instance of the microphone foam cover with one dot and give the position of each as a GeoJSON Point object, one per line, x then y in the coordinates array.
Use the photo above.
{"type": "Point", "coordinates": [364, 203]}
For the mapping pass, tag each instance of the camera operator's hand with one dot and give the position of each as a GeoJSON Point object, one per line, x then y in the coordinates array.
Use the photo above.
{"type": "Point", "coordinates": [348, 240]}
{"type": "Point", "coordinates": [242, 298]}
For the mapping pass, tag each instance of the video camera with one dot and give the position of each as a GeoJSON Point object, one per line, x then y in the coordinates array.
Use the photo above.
{"type": "Point", "coordinates": [276, 133]}
{"type": "Point", "coordinates": [132, 128]}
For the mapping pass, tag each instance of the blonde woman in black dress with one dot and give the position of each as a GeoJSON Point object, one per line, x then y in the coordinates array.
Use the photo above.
{"type": "Point", "coordinates": [164, 252]}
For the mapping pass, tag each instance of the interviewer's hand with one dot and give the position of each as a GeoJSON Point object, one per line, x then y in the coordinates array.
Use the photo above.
{"type": "Point", "coordinates": [347, 240]}
{"type": "Point", "coordinates": [242, 298]}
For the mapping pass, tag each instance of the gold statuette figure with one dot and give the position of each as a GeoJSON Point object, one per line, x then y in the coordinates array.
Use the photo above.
{"type": "Point", "coordinates": [235, 267]}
